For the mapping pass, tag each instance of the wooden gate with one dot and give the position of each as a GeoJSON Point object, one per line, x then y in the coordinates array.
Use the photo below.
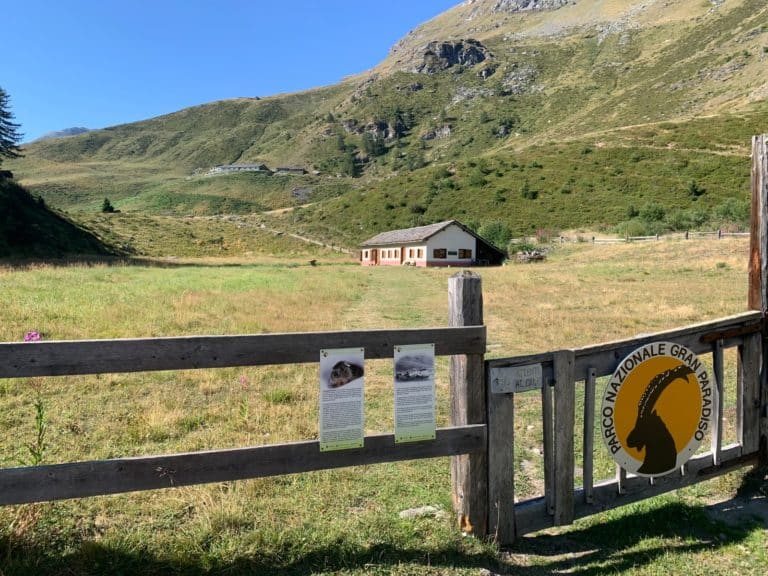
{"type": "Point", "coordinates": [567, 374]}
{"type": "Point", "coordinates": [484, 493]}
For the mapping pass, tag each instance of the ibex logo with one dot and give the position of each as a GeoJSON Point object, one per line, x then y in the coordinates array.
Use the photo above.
{"type": "Point", "coordinates": [657, 408]}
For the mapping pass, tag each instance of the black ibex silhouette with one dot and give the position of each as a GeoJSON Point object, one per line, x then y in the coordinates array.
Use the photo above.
{"type": "Point", "coordinates": [650, 432]}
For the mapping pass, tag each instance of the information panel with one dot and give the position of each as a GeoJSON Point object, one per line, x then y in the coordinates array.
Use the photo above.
{"type": "Point", "coordinates": [414, 393]}
{"type": "Point", "coordinates": [341, 399]}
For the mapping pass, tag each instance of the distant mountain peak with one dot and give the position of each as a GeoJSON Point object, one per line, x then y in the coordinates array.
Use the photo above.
{"type": "Point", "coordinates": [64, 133]}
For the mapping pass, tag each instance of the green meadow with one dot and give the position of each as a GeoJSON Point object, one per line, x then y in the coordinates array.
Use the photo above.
{"type": "Point", "coordinates": [342, 521]}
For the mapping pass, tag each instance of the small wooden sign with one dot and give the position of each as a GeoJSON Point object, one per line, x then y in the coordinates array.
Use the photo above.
{"type": "Point", "coordinates": [508, 379]}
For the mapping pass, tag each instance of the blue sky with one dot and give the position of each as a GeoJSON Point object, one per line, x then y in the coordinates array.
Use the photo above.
{"type": "Point", "coordinates": [98, 63]}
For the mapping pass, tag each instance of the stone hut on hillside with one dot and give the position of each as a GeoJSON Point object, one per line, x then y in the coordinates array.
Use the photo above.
{"type": "Point", "coordinates": [232, 168]}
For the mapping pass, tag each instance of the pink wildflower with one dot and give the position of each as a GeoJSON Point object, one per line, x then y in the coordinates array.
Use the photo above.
{"type": "Point", "coordinates": [32, 336]}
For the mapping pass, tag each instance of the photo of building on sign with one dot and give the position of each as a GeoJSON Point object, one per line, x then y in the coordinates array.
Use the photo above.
{"type": "Point", "coordinates": [414, 393]}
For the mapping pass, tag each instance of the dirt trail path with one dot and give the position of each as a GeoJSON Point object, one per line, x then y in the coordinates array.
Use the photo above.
{"type": "Point", "coordinates": [244, 221]}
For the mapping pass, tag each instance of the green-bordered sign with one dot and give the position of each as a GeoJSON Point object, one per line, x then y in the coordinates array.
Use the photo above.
{"type": "Point", "coordinates": [657, 408]}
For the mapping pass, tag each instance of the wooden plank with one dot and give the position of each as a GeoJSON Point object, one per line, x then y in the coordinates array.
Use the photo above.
{"type": "Point", "coordinates": [749, 394]}
{"type": "Point", "coordinates": [605, 357]}
{"type": "Point", "coordinates": [729, 334]}
{"type": "Point", "coordinates": [531, 515]}
{"type": "Point", "coordinates": [719, 374]}
{"type": "Point", "coordinates": [81, 479]}
{"type": "Point", "coordinates": [588, 457]}
{"type": "Point", "coordinates": [138, 355]}
{"type": "Point", "coordinates": [758, 271]}
{"type": "Point", "coordinates": [565, 419]}
{"type": "Point", "coordinates": [758, 245]}
{"type": "Point", "coordinates": [501, 467]}
{"type": "Point", "coordinates": [469, 474]}
{"type": "Point", "coordinates": [548, 438]}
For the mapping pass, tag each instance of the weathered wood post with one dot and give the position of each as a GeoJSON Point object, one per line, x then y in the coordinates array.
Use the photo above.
{"type": "Point", "coordinates": [501, 465]}
{"type": "Point", "coordinates": [469, 473]}
{"type": "Point", "coordinates": [758, 272]}
{"type": "Point", "coordinates": [565, 414]}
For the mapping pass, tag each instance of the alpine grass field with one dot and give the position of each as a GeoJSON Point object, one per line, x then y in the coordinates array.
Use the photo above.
{"type": "Point", "coordinates": [344, 521]}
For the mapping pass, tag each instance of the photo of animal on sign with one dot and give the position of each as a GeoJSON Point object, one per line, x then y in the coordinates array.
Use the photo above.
{"type": "Point", "coordinates": [657, 408]}
{"type": "Point", "coordinates": [344, 372]}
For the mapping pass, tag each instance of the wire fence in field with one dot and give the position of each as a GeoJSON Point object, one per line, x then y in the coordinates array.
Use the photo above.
{"type": "Point", "coordinates": [690, 235]}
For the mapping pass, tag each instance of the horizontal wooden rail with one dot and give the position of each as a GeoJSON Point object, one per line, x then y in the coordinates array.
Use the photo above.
{"type": "Point", "coordinates": [532, 516]}
{"type": "Point", "coordinates": [603, 358]}
{"type": "Point", "coordinates": [62, 358]}
{"type": "Point", "coordinates": [81, 479]}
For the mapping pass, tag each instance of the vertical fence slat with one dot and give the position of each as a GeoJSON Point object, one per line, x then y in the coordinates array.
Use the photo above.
{"type": "Point", "coordinates": [501, 467]}
{"type": "Point", "coordinates": [588, 458]}
{"type": "Point", "coordinates": [749, 393]}
{"type": "Point", "coordinates": [565, 420]}
{"type": "Point", "coordinates": [717, 429]}
{"type": "Point", "coordinates": [469, 473]}
{"type": "Point", "coordinates": [621, 480]}
{"type": "Point", "coordinates": [548, 429]}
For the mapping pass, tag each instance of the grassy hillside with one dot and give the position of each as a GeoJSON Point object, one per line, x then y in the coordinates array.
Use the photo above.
{"type": "Point", "coordinates": [139, 234]}
{"type": "Point", "coordinates": [28, 228]}
{"type": "Point", "coordinates": [650, 180]}
{"type": "Point", "coordinates": [580, 116]}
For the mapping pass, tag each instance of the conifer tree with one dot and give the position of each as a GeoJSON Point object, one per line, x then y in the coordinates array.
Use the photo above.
{"type": "Point", "coordinates": [9, 130]}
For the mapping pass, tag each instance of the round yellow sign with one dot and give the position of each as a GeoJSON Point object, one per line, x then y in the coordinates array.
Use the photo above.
{"type": "Point", "coordinates": [656, 409]}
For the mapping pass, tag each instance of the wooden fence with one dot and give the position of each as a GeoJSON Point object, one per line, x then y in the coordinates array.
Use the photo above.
{"type": "Point", "coordinates": [79, 479]}
{"type": "Point", "coordinates": [689, 235]}
{"type": "Point", "coordinates": [481, 438]}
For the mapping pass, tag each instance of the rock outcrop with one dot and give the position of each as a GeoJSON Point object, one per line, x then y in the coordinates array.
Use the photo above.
{"type": "Point", "coordinates": [439, 56]}
{"type": "Point", "coordinates": [513, 6]}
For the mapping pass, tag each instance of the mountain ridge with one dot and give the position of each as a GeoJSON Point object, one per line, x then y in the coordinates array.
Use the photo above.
{"type": "Point", "coordinates": [65, 133]}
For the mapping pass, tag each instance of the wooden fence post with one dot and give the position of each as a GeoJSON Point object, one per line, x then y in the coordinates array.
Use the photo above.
{"type": "Point", "coordinates": [758, 271]}
{"type": "Point", "coordinates": [469, 473]}
{"type": "Point", "coordinates": [565, 413]}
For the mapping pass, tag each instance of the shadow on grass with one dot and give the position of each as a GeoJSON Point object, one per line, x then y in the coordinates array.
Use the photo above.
{"type": "Point", "coordinates": [378, 559]}
{"type": "Point", "coordinates": [630, 541]}
{"type": "Point", "coordinates": [666, 533]}
{"type": "Point", "coordinates": [127, 261]}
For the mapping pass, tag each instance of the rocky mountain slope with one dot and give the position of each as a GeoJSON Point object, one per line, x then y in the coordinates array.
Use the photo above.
{"type": "Point", "coordinates": [532, 113]}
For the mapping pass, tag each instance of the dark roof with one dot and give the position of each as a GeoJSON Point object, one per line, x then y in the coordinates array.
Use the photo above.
{"type": "Point", "coordinates": [408, 235]}
{"type": "Point", "coordinates": [245, 166]}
